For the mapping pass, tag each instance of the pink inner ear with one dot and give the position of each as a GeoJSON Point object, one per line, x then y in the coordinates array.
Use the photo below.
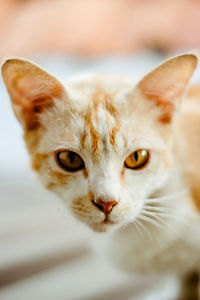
{"type": "Point", "coordinates": [31, 87]}
{"type": "Point", "coordinates": [165, 85]}
{"type": "Point", "coordinates": [164, 98]}
{"type": "Point", "coordinates": [33, 95]}
{"type": "Point", "coordinates": [167, 107]}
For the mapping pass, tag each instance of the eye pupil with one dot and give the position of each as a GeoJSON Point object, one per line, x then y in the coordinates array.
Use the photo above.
{"type": "Point", "coordinates": [69, 160]}
{"type": "Point", "coordinates": [71, 157]}
{"type": "Point", "coordinates": [137, 159]}
{"type": "Point", "coordinates": [136, 155]}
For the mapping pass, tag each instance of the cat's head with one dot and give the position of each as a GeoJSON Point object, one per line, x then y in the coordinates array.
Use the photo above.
{"type": "Point", "coordinates": [101, 143]}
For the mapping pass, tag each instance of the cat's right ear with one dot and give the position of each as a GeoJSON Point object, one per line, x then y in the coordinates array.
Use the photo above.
{"type": "Point", "coordinates": [31, 89]}
{"type": "Point", "coordinates": [165, 86]}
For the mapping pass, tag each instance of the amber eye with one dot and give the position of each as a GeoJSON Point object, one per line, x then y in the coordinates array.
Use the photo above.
{"type": "Point", "coordinates": [137, 159]}
{"type": "Point", "coordinates": [69, 160]}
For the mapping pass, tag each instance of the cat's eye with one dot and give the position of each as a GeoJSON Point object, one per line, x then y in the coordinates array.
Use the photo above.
{"type": "Point", "coordinates": [137, 160]}
{"type": "Point", "coordinates": [69, 160]}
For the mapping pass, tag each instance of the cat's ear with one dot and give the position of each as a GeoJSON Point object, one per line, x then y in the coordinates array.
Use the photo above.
{"type": "Point", "coordinates": [31, 90]}
{"type": "Point", "coordinates": [165, 85]}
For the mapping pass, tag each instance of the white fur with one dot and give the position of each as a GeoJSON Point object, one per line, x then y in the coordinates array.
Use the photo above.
{"type": "Point", "coordinates": [153, 227]}
{"type": "Point", "coordinates": [172, 244]}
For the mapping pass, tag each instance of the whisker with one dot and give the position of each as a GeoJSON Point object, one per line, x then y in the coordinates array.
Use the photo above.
{"type": "Point", "coordinates": [144, 229]}
{"type": "Point", "coordinates": [168, 212]}
{"type": "Point", "coordinates": [158, 208]}
{"type": "Point", "coordinates": [162, 214]}
{"type": "Point", "coordinates": [150, 220]}
{"type": "Point", "coordinates": [166, 225]}
{"type": "Point", "coordinates": [160, 225]}
{"type": "Point", "coordinates": [167, 197]}
{"type": "Point", "coordinates": [137, 225]}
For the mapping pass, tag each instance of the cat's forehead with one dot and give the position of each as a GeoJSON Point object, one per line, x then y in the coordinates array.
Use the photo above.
{"type": "Point", "coordinates": [100, 102]}
{"type": "Point", "coordinates": [95, 118]}
{"type": "Point", "coordinates": [91, 83]}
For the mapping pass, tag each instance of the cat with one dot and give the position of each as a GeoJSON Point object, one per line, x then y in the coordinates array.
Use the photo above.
{"type": "Point", "coordinates": [123, 156]}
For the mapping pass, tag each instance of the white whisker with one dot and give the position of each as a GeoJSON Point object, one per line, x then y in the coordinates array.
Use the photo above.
{"type": "Point", "coordinates": [166, 212]}
{"type": "Point", "coordinates": [165, 225]}
{"type": "Point", "coordinates": [144, 229]}
{"type": "Point", "coordinates": [158, 208]}
{"type": "Point", "coordinates": [150, 220]}
{"type": "Point", "coordinates": [137, 225]}
{"type": "Point", "coordinates": [166, 197]}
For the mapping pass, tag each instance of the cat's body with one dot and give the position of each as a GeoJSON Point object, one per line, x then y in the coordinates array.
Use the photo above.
{"type": "Point", "coordinates": [124, 157]}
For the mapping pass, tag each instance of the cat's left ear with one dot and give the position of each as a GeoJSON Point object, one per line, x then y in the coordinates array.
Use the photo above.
{"type": "Point", "coordinates": [31, 89]}
{"type": "Point", "coordinates": [165, 86]}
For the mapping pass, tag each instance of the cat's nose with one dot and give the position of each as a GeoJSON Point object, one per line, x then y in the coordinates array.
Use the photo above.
{"type": "Point", "coordinates": [106, 207]}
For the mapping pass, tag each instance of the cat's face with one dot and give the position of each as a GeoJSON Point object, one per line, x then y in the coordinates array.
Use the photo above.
{"type": "Point", "coordinates": [102, 145]}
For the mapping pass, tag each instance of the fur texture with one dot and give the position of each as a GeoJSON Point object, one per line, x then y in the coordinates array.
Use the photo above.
{"type": "Point", "coordinates": [155, 225]}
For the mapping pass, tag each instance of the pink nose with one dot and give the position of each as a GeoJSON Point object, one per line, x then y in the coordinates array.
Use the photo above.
{"type": "Point", "coordinates": [106, 207]}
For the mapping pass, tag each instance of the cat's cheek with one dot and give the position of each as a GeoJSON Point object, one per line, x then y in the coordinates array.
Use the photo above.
{"type": "Point", "coordinates": [83, 209]}
{"type": "Point", "coordinates": [65, 185]}
{"type": "Point", "coordinates": [144, 182]}
{"type": "Point", "coordinates": [127, 209]}
{"type": "Point", "coordinates": [75, 189]}
{"type": "Point", "coordinates": [159, 175]}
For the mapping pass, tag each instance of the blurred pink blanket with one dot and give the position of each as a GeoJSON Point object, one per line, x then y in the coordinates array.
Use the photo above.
{"type": "Point", "coordinates": [96, 27]}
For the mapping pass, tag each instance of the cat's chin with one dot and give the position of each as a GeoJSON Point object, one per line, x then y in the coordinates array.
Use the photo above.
{"type": "Point", "coordinates": [103, 227]}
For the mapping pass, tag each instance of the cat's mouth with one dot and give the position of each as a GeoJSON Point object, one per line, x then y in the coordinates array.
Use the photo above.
{"type": "Point", "coordinates": [104, 225]}
{"type": "Point", "coordinates": [107, 221]}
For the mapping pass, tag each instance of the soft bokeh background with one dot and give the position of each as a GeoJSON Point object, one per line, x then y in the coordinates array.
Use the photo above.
{"type": "Point", "coordinates": [44, 253]}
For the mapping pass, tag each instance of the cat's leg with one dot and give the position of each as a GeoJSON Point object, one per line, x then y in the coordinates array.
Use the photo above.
{"type": "Point", "coordinates": [189, 289]}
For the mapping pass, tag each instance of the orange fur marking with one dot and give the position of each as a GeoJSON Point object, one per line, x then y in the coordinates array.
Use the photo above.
{"type": "Point", "coordinates": [85, 173]}
{"type": "Point", "coordinates": [32, 139]}
{"type": "Point", "coordinates": [78, 201]}
{"type": "Point", "coordinates": [50, 185]}
{"type": "Point", "coordinates": [100, 98]}
{"type": "Point", "coordinates": [195, 192]}
{"type": "Point", "coordinates": [166, 106]}
{"type": "Point", "coordinates": [113, 111]}
{"type": "Point", "coordinates": [82, 139]}
{"type": "Point", "coordinates": [94, 134]}
{"type": "Point", "coordinates": [113, 135]}
{"type": "Point", "coordinates": [90, 195]}
{"type": "Point", "coordinates": [81, 206]}
{"type": "Point", "coordinates": [61, 179]}
{"type": "Point", "coordinates": [122, 175]}
{"type": "Point", "coordinates": [30, 112]}
{"type": "Point", "coordinates": [37, 160]}
{"type": "Point", "coordinates": [110, 106]}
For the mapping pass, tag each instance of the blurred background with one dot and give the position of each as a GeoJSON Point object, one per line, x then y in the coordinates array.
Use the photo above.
{"type": "Point", "coordinates": [44, 253]}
